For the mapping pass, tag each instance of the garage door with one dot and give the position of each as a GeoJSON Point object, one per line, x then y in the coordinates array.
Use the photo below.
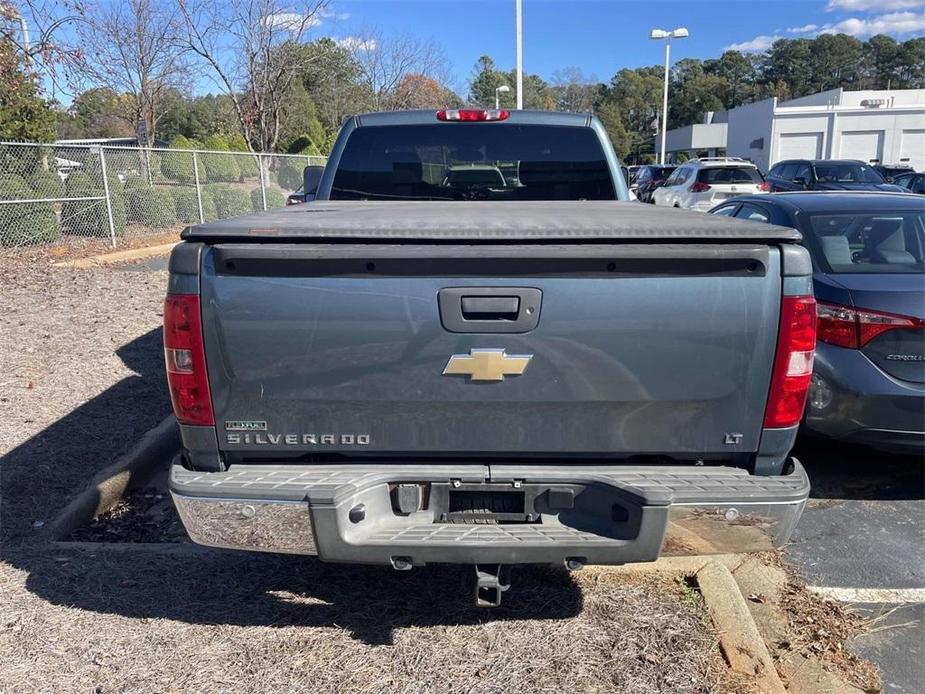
{"type": "Point", "coordinates": [866, 145]}
{"type": "Point", "coordinates": [800, 146]}
{"type": "Point", "coordinates": [912, 149]}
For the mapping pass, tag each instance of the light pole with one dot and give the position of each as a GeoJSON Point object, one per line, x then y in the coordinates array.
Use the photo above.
{"type": "Point", "coordinates": [519, 20]}
{"type": "Point", "coordinates": [679, 33]}
{"type": "Point", "coordinates": [503, 89]}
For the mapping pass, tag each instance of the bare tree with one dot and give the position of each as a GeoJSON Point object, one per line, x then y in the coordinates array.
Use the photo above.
{"type": "Point", "coordinates": [387, 63]}
{"type": "Point", "coordinates": [252, 50]}
{"type": "Point", "coordinates": [132, 47]}
{"type": "Point", "coordinates": [573, 90]}
{"type": "Point", "coordinates": [34, 29]}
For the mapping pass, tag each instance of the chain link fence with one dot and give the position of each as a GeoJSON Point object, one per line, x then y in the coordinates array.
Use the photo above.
{"type": "Point", "coordinates": [64, 193]}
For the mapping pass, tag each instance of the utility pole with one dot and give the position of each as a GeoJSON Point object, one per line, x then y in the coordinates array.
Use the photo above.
{"type": "Point", "coordinates": [519, 11]}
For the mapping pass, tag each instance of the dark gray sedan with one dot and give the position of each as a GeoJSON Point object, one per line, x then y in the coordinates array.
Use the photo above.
{"type": "Point", "coordinates": [868, 253]}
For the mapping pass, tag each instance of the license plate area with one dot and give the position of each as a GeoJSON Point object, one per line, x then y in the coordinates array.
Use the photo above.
{"type": "Point", "coordinates": [483, 503]}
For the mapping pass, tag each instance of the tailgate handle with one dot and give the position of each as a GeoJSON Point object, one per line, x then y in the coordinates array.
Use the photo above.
{"type": "Point", "coordinates": [489, 309]}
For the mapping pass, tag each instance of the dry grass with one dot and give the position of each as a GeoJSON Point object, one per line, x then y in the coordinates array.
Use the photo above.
{"type": "Point", "coordinates": [75, 247]}
{"type": "Point", "coordinates": [81, 378]}
{"type": "Point", "coordinates": [212, 621]}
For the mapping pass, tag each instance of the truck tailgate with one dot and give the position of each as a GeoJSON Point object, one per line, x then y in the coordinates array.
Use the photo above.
{"type": "Point", "coordinates": [326, 349]}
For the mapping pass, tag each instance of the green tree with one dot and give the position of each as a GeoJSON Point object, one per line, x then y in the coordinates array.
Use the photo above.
{"type": "Point", "coordinates": [24, 114]}
{"type": "Point", "coordinates": [789, 62]}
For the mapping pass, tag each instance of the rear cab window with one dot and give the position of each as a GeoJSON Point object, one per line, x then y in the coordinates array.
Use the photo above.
{"type": "Point", "coordinates": [880, 243]}
{"type": "Point", "coordinates": [473, 161]}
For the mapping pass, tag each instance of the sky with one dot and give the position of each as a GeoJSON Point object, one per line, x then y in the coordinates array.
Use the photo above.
{"type": "Point", "coordinates": [602, 36]}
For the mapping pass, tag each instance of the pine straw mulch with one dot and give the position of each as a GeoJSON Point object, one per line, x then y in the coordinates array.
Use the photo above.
{"type": "Point", "coordinates": [820, 629]}
{"type": "Point", "coordinates": [76, 247]}
{"type": "Point", "coordinates": [209, 621]}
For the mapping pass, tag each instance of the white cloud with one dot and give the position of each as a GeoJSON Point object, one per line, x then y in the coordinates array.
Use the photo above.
{"type": "Point", "coordinates": [873, 5]}
{"type": "Point", "coordinates": [357, 43]}
{"type": "Point", "coordinates": [291, 21]}
{"type": "Point", "coordinates": [757, 44]}
{"type": "Point", "coordinates": [892, 23]}
{"type": "Point", "coordinates": [805, 29]}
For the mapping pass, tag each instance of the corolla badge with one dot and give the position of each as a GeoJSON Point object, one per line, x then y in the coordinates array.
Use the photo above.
{"type": "Point", "coordinates": [487, 364]}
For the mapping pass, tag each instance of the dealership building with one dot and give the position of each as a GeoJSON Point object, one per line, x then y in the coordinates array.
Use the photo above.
{"type": "Point", "coordinates": [876, 126]}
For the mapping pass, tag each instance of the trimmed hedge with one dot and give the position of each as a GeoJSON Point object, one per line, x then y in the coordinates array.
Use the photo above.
{"type": "Point", "coordinates": [275, 198]}
{"type": "Point", "coordinates": [290, 173]}
{"type": "Point", "coordinates": [219, 167]}
{"type": "Point", "coordinates": [178, 166]}
{"type": "Point", "coordinates": [209, 213]}
{"type": "Point", "coordinates": [152, 207]}
{"type": "Point", "coordinates": [230, 201]}
{"type": "Point", "coordinates": [46, 184]}
{"type": "Point", "coordinates": [25, 224]}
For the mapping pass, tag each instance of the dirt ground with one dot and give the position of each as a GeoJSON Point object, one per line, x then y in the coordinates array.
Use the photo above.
{"type": "Point", "coordinates": [81, 378]}
{"type": "Point", "coordinates": [210, 621]}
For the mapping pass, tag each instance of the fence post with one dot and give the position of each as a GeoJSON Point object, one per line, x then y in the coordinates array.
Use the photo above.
{"type": "Point", "coordinates": [112, 226]}
{"type": "Point", "coordinates": [263, 181]}
{"type": "Point", "coordinates": [202, 219]}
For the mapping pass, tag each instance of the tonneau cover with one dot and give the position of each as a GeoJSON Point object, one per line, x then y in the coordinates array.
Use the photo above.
{"type": "Point", "coordinates": [477, 222]}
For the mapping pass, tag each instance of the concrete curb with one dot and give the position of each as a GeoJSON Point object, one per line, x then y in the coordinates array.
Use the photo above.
{"type": "Point", "coordinates": [130, 470]}
{"type": "Point", "coordinates": [118, 256]}
{"type": "Point", "coordinates": [739, 638]}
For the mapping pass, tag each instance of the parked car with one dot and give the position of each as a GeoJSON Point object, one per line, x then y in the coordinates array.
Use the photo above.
{"type": "Point", "coordinates": [410, 374]}
{"type": "Point", "coordinates": [826, 174]}
{"type": "Point", "coordinates": [649, 178]}
{"type": "Point", "coordinates": [699, 184]}
{"type": "Point", "coordinates": [296, 197]}
{"type": "Point", "coordinates": [868, 252]}
{"type": "Point", "coordinates": [912, 182]}
{"type": "Point", "coordinates": [890, 173]}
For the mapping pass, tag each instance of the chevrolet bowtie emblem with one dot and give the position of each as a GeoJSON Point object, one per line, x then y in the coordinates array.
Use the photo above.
{"type": "Point", "coordinates": [487, 364]}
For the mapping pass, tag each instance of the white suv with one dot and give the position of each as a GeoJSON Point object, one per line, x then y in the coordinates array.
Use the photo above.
{"type": "Point", "coordinates": [699, 184]}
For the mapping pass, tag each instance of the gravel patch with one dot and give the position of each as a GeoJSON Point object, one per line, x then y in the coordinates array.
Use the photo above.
{"type": "Point", "coordinates": [211, 621]}
{"type": "Point", "coordinates": [81, 378]}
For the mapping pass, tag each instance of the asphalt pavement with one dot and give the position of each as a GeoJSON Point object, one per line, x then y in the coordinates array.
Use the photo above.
{"type": "Point", "coordinates": [861, 541]}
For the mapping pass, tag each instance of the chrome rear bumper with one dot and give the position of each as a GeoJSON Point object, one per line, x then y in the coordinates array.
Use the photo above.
{"type": "Point", "coordinates": [663, 511]}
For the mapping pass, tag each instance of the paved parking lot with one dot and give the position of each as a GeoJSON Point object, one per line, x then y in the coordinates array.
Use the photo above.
{"type": "Point", "coordinates": [860, 541]}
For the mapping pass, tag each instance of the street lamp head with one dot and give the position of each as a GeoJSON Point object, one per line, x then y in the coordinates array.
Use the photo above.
{"type": "Point", "coordinates": [658, 34]}
{"type": "Point", "coordinates": [680, 33]}
{"type": "Point", "coordinates": [504, 89]}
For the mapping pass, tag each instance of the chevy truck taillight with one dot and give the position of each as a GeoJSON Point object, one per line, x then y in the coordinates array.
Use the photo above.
{"type": "Point", "coordinates": [186, 360]}
{"type": "Point", "coordinates": [793, 362]}
{"type": "Point", "coordinates": [853, 328]}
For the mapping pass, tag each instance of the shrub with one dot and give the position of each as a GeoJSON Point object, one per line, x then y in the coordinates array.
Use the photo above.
{"type": "Point", "coordinates": [28, 223]}
{"type": "Point", "coordinates": [178, 166]}
{"type": "Point", "coordinates": [133, 181]}
{"type": "Point", "coordinates": [246, 164]}
{"type": "Point", "coordinates": [209, 213]}
{"type": "Point", "coordinates": [46, 184]}
{"type": "Point", "coordinates": [187, 205]}
{"type": "Point", "coordinates": [290, 172]}
{"type": "Point", "coordinates": [219, 167]}
{"type": "Point", "coordinates": [275, 198]}
{"type": "Point", "coordinates": [152, 207]}
{"type": "Point", "coordinates": [90, 217]}
{"type": "Point", "coordinates": [230, 201]}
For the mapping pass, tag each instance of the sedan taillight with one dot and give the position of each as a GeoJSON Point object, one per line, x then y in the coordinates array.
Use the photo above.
{"type": "Point", "coordinates": [845, 326]}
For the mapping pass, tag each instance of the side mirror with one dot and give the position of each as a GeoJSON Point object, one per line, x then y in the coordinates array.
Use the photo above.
{"type": "Point", "coordinates": [311, 177]}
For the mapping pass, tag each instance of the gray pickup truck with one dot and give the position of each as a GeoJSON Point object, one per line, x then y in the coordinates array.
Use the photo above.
{"type": "Point", "coordinates": [469, 348]}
